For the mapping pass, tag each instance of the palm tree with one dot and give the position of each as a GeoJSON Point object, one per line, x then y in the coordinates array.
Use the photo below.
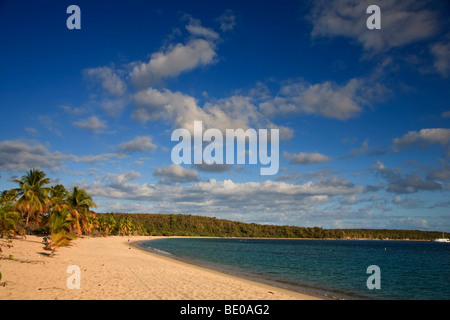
{"type": "Point", "coordinates": [60, 231]}
{"type": "Point", "coordinates": [92, 223]}
{"type": "Point", "coordinates": [8, 219]}
{"type": "Point", "coordinates": [107, 223]}
{"type": "Point", "coordinates": [79, 203]}
{"type": "Point", "coordinates": [124, 226]}
{"type": "Point", "coordinates": [33, 195]}
{"type": "Point", "coordinates": [8, 196]}
{"type": "Point", "coordinates": [58, 198]}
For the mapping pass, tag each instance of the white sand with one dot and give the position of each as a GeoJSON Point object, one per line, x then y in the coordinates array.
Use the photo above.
{"type": "Point", "coordinates": [111, 269]}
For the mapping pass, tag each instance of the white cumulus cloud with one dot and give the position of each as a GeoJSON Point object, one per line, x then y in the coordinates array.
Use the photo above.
{"type": "Point", "coordinates": [402, 22]}
{"type": "Point", "coordinates": [92, 123]}
{"type": "Point", "coordinates": [422, 138]}
{"type": "Point", "coordinates": [306, 158]}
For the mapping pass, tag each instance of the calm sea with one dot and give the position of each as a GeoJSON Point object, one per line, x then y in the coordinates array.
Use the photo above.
{"type": "Point", "coordinates": [335, 269]}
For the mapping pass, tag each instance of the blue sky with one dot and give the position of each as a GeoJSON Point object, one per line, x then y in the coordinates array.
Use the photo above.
{"type": "Point", "coordinates": [363, 114]}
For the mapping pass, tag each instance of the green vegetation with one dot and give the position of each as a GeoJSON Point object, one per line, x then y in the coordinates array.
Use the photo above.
{"type": "Point", "coordinates": [63, 215]}
{"type": "Point", "coordinates": [188, 225]}
{"type": "Point", "coordinates": [35, 208]}
{"type": "Point", "coordinates": [8, 219]}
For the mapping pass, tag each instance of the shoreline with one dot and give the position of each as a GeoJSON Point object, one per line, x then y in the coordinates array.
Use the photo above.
{"type": "Point", "coordinates": [315, 293]}
{"type": "Point", "coordinates": [271, 284]}
{"type": "Point", "coordinates": [113, 268]}
{"type": "Point", "coordinates": [322, 294]}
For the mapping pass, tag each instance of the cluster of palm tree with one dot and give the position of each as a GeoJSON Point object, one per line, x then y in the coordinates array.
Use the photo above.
{"type": "Point", "coordinates": [62, 214]}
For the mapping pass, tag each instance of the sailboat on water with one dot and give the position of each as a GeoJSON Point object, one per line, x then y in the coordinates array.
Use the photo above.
{"type": "Point", "coordinates": [443, 239]}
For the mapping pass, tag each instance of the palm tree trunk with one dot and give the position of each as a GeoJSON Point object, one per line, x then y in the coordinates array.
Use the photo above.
{"type": "Point", "coordinates": [28, 217]}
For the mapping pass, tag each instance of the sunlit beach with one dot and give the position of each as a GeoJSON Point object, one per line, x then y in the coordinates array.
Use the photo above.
{"type": "Point", "coordinates": [111, 268]}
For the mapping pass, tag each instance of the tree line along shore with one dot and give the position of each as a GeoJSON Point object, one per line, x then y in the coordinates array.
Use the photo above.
{"type": "Point", "coordinates": [192, 225]}
{"type": "Point", "coordinates": [62, 215]}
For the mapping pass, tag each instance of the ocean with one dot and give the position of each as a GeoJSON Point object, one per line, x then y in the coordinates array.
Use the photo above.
{"type": "Point", "coordinates": [333, 269]}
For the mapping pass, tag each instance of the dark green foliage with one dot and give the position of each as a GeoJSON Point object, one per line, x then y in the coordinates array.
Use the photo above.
{"type": "Point", "coordinates": [189, 225]}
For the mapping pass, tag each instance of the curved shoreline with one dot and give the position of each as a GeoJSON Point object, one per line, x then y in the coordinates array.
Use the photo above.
{"type": "Point", "coordinates": [262, 283]}
{"type": "Point", "coordinates": [315, 294]}
{"type": "Point", "coordinates": [113, 269]}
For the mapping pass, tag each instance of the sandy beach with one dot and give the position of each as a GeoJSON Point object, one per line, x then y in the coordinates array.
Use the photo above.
{"type": "Point", "coordinates": [110, 268]}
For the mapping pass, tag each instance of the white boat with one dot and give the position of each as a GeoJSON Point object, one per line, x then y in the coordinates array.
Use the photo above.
{"type": "Point", "coordinates": [443, 239]}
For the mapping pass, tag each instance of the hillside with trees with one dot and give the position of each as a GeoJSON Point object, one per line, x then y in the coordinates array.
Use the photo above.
{"type": "Point", "coordinates": [190, 225]}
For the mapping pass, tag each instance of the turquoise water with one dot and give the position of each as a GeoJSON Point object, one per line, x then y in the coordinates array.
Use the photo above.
{"type": "Point", "coordinates": [330, 268]}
